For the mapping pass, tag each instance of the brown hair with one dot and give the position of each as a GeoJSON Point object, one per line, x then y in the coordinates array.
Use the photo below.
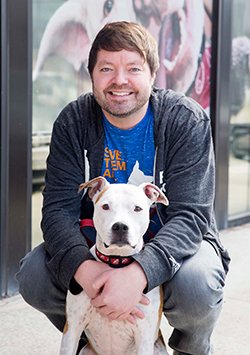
{"type": "Point", "coordinates": [116, 36]}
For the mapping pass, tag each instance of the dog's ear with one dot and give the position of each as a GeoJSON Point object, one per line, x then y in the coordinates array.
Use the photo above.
{"type": "Point", "coordinates": [154, 193]}
{"type": "Point", "coordinates": [94, 186]}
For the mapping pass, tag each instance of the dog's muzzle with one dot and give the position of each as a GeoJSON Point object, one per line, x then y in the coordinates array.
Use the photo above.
{"type": "Point", "coordinates": [119, 234]}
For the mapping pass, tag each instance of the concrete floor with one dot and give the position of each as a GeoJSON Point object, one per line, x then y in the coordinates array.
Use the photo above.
{"type": "Point", "coordinates": [25, 331]}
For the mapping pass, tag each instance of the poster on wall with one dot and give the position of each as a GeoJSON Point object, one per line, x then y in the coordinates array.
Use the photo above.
{"type": "Point", "coordinates": [182, 29]}
{"type": "Point", "coordinates": [64, 30]}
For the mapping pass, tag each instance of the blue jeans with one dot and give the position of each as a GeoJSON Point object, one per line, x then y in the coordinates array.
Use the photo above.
{"type": "Point", "coordinates": [192, 299]}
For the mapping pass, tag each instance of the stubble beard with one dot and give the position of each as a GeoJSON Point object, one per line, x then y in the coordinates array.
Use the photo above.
{"type": "Point", "coordinates": [121, 109]}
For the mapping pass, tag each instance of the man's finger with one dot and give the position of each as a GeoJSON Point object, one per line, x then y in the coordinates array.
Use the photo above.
{"type": "Point", "coordinates": [137, 312]}
{"type": "Point", "coordinates": [131, 319]}
{"type": "Point", "coordinates": [100, 281]}
{"type": "Point", "coordinates": [98, 302]}
{"type": "Point", "coordinates": [105, 312]}
{"type": "Point", "coordinates": [144, 300]}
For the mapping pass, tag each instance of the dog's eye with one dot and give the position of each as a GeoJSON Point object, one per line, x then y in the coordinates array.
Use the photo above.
{"type": "Point", "coordinates": [137, 209]}
{"type": "Point", "coordinates": [108, 7]}
{"type": "Point", "coordinates": [105, 207]}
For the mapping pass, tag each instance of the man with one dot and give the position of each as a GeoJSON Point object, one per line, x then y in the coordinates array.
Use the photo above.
{"type": "Point", "coordinates": [128, 131]}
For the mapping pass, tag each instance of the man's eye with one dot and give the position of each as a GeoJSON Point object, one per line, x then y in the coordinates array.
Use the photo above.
{"type": "Point", "coordinates": [105, 70]}
{"type": "Point", "coordinates": [137, 209]}
{"type": "Point", "coordinates": [105, 207]}
{"type": "Point", "coordinates": [135, 70]}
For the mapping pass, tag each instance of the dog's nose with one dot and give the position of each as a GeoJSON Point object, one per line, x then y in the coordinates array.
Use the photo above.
{"type": "Point", "coordinates": [120, 228]}
{"type": "Point", "coordinates": [119, 234]}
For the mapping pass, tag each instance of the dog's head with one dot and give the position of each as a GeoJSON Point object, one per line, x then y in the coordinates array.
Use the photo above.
{"type": "Point", "coordinates": [121, 214]}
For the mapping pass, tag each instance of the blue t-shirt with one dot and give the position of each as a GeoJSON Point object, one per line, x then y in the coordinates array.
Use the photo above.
{"type": "Point", "coordinates": [129, 154]}
{"type": "Point", "coordinates": [129, 158]}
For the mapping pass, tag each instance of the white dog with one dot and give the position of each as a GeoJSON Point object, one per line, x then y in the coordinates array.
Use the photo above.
{"type": "Point", "coordinates": [121, 217]}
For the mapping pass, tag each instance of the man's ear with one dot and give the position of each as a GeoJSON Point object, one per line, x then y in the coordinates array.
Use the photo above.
{"type": "Point", "coordinates": [94, 186]}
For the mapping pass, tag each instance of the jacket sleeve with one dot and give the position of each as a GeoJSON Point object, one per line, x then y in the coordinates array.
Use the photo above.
{"type": "Point", "coordinates": [188, 177]}
{"type": "Point", "coordinates": [64, 242]}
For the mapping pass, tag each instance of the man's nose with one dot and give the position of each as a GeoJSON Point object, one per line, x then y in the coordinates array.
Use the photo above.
{"type": "Point", "coordinates": [120, 77]}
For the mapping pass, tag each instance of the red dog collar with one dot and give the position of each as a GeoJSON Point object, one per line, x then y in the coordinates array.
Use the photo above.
{"type": "Point", "coordinates": [114, 260]}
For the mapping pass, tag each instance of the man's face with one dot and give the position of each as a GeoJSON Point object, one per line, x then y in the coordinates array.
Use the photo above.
{"type": "Point", "coordinates": [122, 84]}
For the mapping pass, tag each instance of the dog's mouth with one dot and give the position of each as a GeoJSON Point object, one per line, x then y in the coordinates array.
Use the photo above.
{"type": "Point", "coordinates": [173, 39]}
{"type": "Point", "coordinates": [172, 42]}
{"type": "Point", "coordinates": [119, 244]}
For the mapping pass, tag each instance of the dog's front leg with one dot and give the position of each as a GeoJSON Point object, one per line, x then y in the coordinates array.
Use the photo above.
{"type": "Point", "coordinates": [144, 342]}
{"type": "Point", "coordinates": [87, 350]}
{"type": "Point", "coordinates": [145, 332]}
{"type": "Point", "coordinates": [76, 307]}
{"type": "Point", "coordinates": [147, 336]}
{"type": "Point", "coordinates": [160, 347]}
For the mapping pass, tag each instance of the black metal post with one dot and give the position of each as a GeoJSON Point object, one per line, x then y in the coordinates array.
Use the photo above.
{"type": "Point", "coordinates": [16, 52]}
{"type": "Point", "coordinates": [220, 103]}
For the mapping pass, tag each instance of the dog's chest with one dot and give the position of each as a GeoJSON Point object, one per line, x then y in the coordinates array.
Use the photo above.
{"type": "Point", "coordinates": [111, 337]}
{"type": "Point", "coordinates": [107, 336]}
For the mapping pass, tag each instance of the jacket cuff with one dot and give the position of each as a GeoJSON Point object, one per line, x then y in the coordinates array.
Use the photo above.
{"type": "Point", "coordinates": [74, 287]}
{"type": "Point", "coordinates": [70, 263]}
{"type": "Point", "coordinates": [157, 267]}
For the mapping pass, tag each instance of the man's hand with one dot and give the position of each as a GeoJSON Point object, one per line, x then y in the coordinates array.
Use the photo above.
{"type": "Point", "coordinates": [121, 292]}
{"type": "Point", "coordinates": [87, 272]}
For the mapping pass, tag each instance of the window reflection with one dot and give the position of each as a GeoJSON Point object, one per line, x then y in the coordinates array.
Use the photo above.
{"type": "Point", "coordinates": [53, 88]}
{"type": "Point", "coordinates": [239, 162]}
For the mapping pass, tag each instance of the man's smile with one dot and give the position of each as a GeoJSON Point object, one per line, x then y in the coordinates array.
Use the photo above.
{"type": "Point", "coordinates": [116, 93]}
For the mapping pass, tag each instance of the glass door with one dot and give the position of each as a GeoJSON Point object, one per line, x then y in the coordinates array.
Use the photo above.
{"type": "Point", "coordinates": [239, 161]}
{"type": "Point", "coordinates": [55, 83]}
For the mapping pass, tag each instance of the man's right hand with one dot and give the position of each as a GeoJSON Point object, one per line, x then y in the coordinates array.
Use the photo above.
{"type": "Point", "coordinates": [87, 272]}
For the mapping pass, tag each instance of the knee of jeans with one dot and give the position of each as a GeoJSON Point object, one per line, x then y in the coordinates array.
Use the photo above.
{"type": "Point", "coordinates": [32, 280]}
{"type": "Point", "coordinates": [26, 282]}
{"type": "Point", "coordinates": [196, 289]}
